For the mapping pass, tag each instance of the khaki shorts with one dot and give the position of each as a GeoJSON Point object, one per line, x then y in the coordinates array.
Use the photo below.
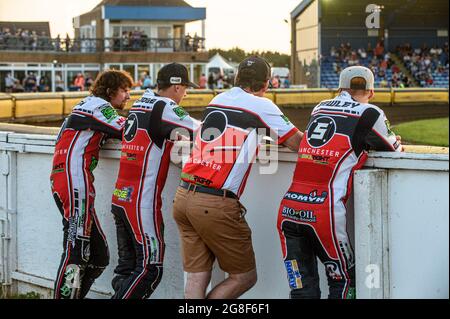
{"type": "Point", "coordinates": [212, 227]}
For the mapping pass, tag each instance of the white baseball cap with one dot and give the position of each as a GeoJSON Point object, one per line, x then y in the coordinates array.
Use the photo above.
{"type": "Point", "coordinates": [351, 72]}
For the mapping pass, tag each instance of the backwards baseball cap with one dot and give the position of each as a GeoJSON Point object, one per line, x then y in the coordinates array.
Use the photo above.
{"type": "Point", "coordinates": [174, 74]}
{"type": "Point", "coordinates": [260, 67]}
{"type": "Point", "coordinates": [346, 76]}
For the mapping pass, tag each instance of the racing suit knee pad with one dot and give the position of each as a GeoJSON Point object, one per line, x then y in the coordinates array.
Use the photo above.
{"type": "Point", "coordinates": [341, 289]}
{"type": "Point", "coordinates": [91, 273]}
{"type": "Point", "coordinates": [305, 293]}
{"type": "Point", "coordinates": [118, 280]}
{"type": "Point", "coordinates": [153, 279]}
{"type": "Point", "coordinates": [137, 285]}
{"type": "Point", "coordinates": [71, 282]}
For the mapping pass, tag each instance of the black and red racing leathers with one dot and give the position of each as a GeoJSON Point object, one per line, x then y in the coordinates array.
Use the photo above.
{"type": "Point", "coordinates": [136, 202]}
{"type": "Point", "coordinates": [85, 253]}
{"type": "Point", "coordinates": [312, 214]}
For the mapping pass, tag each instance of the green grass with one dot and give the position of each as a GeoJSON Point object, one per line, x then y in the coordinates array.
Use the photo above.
{"type": "Point", "coordinates": [28, 295]}
{"type": "Point", "coordinates": [424, 132]}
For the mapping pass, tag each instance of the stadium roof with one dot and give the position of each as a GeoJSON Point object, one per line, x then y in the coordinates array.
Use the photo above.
{"type": "Point", "coordinates": [422, 12]}
{"type": "Point", "coordinates": [147, 3]}
{"type": "Point", "coordinates": [150, 10]}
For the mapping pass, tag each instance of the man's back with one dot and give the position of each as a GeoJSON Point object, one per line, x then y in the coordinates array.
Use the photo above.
{"type": "Point", "coordinates": [228, 140]}
{"type": "Point", "coordinates": [335, 142]}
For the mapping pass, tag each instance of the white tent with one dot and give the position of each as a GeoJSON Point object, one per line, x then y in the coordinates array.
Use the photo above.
{"type": "Point", "coordinates": [218, 63]}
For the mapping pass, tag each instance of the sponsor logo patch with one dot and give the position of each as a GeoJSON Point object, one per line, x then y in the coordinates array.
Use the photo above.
{"type": "Point", "coordinates": [180, 112]}
{"type": "Point", "coordinates": [58, 168]}
{"type": "Point", "coordinates": [332, 270]}
{"type": "Point", "coordinates": [109, 112]}
{"type": "Point", "coordinates": [124, 194]}
{"type": "Point", "coordinates": [293, 274]}
{"type": "Point", "coordinates": [129, 156]}
{"type": "Point", "coordinates": [285, 118]}
{"type": "Point", "coordinates": [300, 215]}
{"type": "Point", "coordinates": [311, 198]}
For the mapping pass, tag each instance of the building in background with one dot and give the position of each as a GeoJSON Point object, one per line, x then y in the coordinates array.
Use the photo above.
{"type": "Point", "coordinates": [328, 35]}
{"type": "Point", "coordinates": [138, 36]}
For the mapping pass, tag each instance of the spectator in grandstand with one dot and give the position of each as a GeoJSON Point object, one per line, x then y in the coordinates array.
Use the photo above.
{"type": "Point", "coordinates": [220, 83]}
{"type": "Point", "coordinates": [9, 82]}
{"type": "Point", "coordinates": [353, 59]}
{"type": "Point", "coordinates": [395, 69]}
{"type": "Point", "coordinates": [79, 82]}
{"type": "Point", "coordinates": [147, 84]}
{"type": "Point", "coordinates": [287, 83]}
{"type": "Point", "coordinates": [88, 82]}
{"type": "Point", "coordinates": [379, 50]}
{"type": "Point", "coordinates": [211, 81]}
{"type": "Point", "coordinates": [187, 42]}
{"type": "Point", "coordinates": [58, 43]}
{"type": "Point", "coordinates": [67, 42]}
{"type": "Point", "coordinates": [44, 83]}
{"type": "Point", "coordinates": [334, 53]}
{"type": "Point", "coordinates": [18, 87]}
{"type": "Point", "coordinates": [275, 82]}
{"type": "Point", "coordinates": [336, 67]}
{"type": "Point", "coordinates": [196, 42]}
{"type": "Point", "coordinates": [30, 83]}
{"type": "Point", "coordinates": [59, 83]}
{"type": "Point", "coordinates": [44, 41]}
{"type": "Point", "coordinates": [362, 53]}
{"type": "Point", "coordinates": [202, 82]}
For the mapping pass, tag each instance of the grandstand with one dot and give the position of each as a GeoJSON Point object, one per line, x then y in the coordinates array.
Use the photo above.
{"type": "Point", "coordinates": [151, 32]}
{"type": "Point", "coordinates": [318, 27]}
{"type": "Point", "coordinates": [434, 73]}
{"type": "Point", "coordinates": [329, 76]}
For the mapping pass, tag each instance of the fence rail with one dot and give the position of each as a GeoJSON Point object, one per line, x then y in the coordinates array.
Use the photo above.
{"type": "Point", "coordinates": [96, 45]}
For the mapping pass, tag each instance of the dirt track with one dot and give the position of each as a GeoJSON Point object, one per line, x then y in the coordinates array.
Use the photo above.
{"type": "Point", "coordinates": [395, 114]}
{"type": "Point", "coordinates": [299, 116]}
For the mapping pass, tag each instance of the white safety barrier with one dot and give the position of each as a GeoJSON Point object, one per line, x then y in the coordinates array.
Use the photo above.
{"type": "Point", "coordinates": [400, 227]}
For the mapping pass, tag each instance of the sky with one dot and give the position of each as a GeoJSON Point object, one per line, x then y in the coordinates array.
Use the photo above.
{"type": "Point", "coordinates": [262, 20]}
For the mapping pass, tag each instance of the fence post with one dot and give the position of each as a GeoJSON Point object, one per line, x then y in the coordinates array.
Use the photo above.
{"type": "Point", "coordinates": [8, 220]}
{"type": "Point", "coordinates": [371, 234]}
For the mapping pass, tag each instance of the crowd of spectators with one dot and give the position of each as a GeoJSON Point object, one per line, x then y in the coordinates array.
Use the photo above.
{"type": "Point", "coordinates": [137, 40]}
{"type": "Point", "coordinates": [427, 65]}
{"type": "Point", "coordinates": [31, 40]}
{"type": "Point", "coordinates": [30, 83]}
{"type": "Point", "coordinates": [23, 39]}
{"type": "Point", "coordinates": [219, 81]}
{"type": "Point", "coordinates": [386, 72]}
{"type": "Point", "coordinates": [278, 82]}
{"type": "Point", "coordinates": [33, 82]}
{"type": "Point", "coordinates": [424, 63]}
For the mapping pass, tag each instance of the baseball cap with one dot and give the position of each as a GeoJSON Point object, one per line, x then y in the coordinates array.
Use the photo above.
{"type": "Point", "coordinates": [259, 65]}
{"type": "Point", "coordinates": [174, 74]}
{"type": "Point", "coordinates": [346, 76]}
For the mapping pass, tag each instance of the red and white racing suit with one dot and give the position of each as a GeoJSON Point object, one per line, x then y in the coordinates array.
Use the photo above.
{"type": "Point", "coordinates": [85, 253]}
{"type": "Point", "coordinates": [136, 202]}
{"type": "Point", "coordinates": [232, 129]}
{"type": "Point", "coordinates": [312, 214]}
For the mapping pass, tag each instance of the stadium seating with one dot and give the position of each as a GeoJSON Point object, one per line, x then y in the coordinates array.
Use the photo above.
{"type": "Point", "coordinates": [329, 78]}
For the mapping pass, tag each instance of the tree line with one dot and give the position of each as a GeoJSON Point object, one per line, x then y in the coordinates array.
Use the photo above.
{"type": "Point", "coordinates": [236, 54]}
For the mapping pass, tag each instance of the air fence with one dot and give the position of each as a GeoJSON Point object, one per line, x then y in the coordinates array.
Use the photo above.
{"type": "Point", "coordinates": [398, 219]}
